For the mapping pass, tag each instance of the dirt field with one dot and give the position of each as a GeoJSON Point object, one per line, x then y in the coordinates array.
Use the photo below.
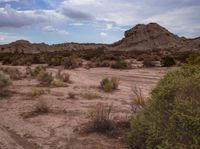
{"type": "Point", "coordinates": [57, 129]}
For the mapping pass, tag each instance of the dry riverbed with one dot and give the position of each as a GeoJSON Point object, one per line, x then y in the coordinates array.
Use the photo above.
{"type": "Point", "coordinates": [58, 129]}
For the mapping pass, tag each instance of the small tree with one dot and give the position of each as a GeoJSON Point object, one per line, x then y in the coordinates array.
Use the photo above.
{"type": "Point", "coordinates": [167, 61]}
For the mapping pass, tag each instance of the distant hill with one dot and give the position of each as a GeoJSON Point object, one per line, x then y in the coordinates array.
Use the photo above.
{"type": "Point", "coordinates": [154, 37]}
{"type": "Point", "coordinates": [141, 38]}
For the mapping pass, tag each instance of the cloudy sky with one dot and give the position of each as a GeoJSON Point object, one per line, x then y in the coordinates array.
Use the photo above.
{"type": "Point", "coordinates": [99, 21]}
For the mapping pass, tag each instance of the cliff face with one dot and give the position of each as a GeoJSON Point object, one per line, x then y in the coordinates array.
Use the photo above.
{"type": "Point", "coordinates": [141, 38]}
{"type": "Point", "coordinates": [153, 37]}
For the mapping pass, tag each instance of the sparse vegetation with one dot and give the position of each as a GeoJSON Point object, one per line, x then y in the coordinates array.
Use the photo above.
{"type": "Point", "coordinates": [194, 59]}
{"type": "Point", "coordinates": [45, 78]}
{"type": "Point", "coordinates": [120, 64]}
{"type": "Point", "coordinates": [65, 77]}
{"type": "Point", "coordinates": [58, 83]}
{"type": "Point", "coordinates": [4, 83]}
{"type": "Point", "coordinates": [137, 99]}
{"type": "Point", "coordinates": [41, 107]}
{"type": "Point", "coordinates": [148, 62]}
{"type": "Point", "coordinates": [36, 92]}
{"type": "Point", "coordinates": [71, 95]}
{"type": "Point", "coordinates": [171, 118]}
{"type": "Point", "coordinates": [101, 119]}
{"type": "Point", "coordinates": [70, 63]}
{"type": "Point", "coordinates": [167, 61]}
{"type": "Point", "coordinates": [14, 73]}
{"type": "Point", "coordinates": [109, 84]}
{"type": "Point", "coordinates": [90, 94]}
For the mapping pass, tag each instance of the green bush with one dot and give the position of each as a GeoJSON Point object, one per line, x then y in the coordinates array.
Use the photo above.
{"type": "Point", "coordinates": [194, 59]}
{"type": "Point", "coordinates": [120, 64]}
{"type": "Point", "coordinates": [167, 61]}
{"type": "Point", "coordinates": [171, 119]}
{"type": "Point", "coordinates": [69, 63]}
{"type": "Point", "coordinates": [109, 84]}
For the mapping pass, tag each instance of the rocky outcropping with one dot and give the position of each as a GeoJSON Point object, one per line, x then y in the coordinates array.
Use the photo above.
{"type": "Point", "coordinates": [154, 37]}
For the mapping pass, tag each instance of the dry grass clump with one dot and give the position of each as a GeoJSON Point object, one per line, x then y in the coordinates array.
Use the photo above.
{"type": "Point", "coordinates": [58, 83]}
{"type": "Point", "coordinates": [70, 62]}
{"type": "Point", "coordinates": [109, 84]}
{"type": "Point", "coordinates": [101, 119]}
{"type": "Point", "coordinates": [65, 77]}
{"type": "Point", "coordinates": [120, 64]}
{"type": "Point", "coordinates": [72, 95]}
{"type": "Point", "coordinates": [45, 78]}
{"type": "Point", "coordinates": [35, 92]}
{"type": "Point", "coordinates": [14, 73]}
{"type": "Point", "coordinates": [4, 83]}
{"type": "Point", "coordinates": [137, 99]}
{"type": "Point", "coordinates": [40, 108]}
{"type": "Point", "coordinates": [34, 72]}
{"type": "Point", "coordinates": [90, 94]}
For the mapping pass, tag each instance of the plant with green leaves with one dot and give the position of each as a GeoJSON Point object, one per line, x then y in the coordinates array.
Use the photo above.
{"type": "Point", "coordinates": [171, 118]}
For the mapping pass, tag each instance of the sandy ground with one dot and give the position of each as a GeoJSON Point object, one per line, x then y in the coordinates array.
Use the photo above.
{"type": "Point", "coordinates": [56, 129]}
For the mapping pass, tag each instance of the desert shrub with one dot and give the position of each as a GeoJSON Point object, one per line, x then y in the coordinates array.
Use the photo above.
{"type": "Point", "coordinates": [120, 64]}
{"type": "Point", "coordinates": [14, 73]}
{"type": "Point", "coordinates": [101, 119]}
{"type": "Point", "coordinates": [65, 77]}
{"type": "Point", "coordinates": [138, 101]}
{"type": "Point", "coordinates": [54, 62]}
{"type": "Point", "coordinates": [109, 84]}
{"type": "Point", "coordinates": [34, 72]}
{"type": "Point", "coordinates": [167, 61]}
{"type": "Point", "coordinates": [193, 59]}
{"type": "Point", "coordinates": [69, 63]}
{"type": "Point", "coordinates": [171, 119]}
{"type": "Point", "coordinates": [4, 83]}
{"type": "Point", "coordinates": [41, 107]}
{"type": "Point", "coordinates": [71, 95]}
{"type": "Point", "coordinates": [37, 70]}
{"type": "Point", "coordinates": [58, 83]}
{"type": "Point", "coordinates": [45, 78]}
{"type": "Point", "coordinates": [29, 71]}
{"type": "Point", "coordinates": [148, 62]}
{"type": "Point", "coordinates": [36, 92]}
{"type": "Point", "coordinates": [89, 94]}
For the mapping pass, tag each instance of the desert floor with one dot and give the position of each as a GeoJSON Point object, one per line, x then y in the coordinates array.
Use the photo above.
{"type": "Point", "coordinates": [59, 129]}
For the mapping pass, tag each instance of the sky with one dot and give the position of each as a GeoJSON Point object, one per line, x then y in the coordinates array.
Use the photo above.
{"type": "Point", "coordinates": [93, 21]}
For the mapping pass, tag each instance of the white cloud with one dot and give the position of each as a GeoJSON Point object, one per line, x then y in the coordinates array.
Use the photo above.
{"type": "Point", "coordinates": [76, 24]}
{"type": "Point", "coordinates": [17, 18]}
{"type": "Point", "coordinates": [81, 2]}
{"type": "Point", "coordinates": [103, 34]}
{"type": "Point", "coordinates": [109, 26]}
{"type": "Point", "coordinates": [7, 37]}
{"type": "Point", "coordinates": [51, 29]}
{"type": "Point", "coordinates": [184, 21]}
